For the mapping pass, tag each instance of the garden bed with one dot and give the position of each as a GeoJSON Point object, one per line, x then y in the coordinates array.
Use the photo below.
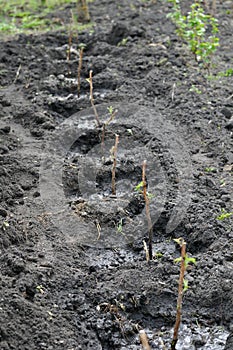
{"type": "Point", "coordinates": [74, 273]}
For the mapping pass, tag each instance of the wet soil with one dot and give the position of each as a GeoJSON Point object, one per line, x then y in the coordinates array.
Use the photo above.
{"type": "Point", "coordinates": [73, 269]}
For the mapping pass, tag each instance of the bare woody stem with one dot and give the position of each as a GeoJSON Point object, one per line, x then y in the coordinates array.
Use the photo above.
{"type": "Point", "coordinates": [102, 140]}
{"type": "Point", "coordinates": [104, 127]}
{"type": "Point", "coordinates": [147, 204]}
{"type": "Point", "coordinates": [213, 10]}
{"type": "Point", "coordinates": [92, 99]}
{"type": "Point", "coordinates": [69, 45]}
{"type": "Point", "coordinates": [144, 340]}
{"type": "Point", "coordinates": [70, 37]}
{"type": "Point", "coordinates": [180, 296]}
{"type": "Point", "coordinates": [83, 11]}
{"type": "Point", "coordinates": [114, 155]}
{"type": "Point", "coordinates": [79, 69]}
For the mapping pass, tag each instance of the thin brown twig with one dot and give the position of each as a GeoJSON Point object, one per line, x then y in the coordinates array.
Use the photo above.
{"type": "Point", "coordinates": [147, 204]}
{"type": "Point", "coordinates": [17, 74]}
{"type": "Point", "coordinates": [70, 37]}
{"type": "Point", "coordinates": [102, 141]}
{"type": "Point", "coordinates": [213, 10]}
{"type": "Point", "coordinates": [80, 68]}
{"type": "Point", "coordinates": [83, 11]}
{"type": "Point", "coordinates": [98, 229]}
{"type": "Point", "coordinates": [114, 155]}
{"type": "Point", "coordinates": [144, 340]}
{"type": "Point", "coordinates": [92, 98]}
{"type": "Point", "coordinates": [180, 295]}
{"type": "Point", "coordinates": [105, 124]}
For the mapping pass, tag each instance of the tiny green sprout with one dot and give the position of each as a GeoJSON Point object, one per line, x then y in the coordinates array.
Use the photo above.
{"type": "Point", "coordinates": [139, 189]}
{"type": "Point", "coordinates": [195, 89]}
{"type": "Point", "coordinates": [110, 110]}
{"type": "Point", "coordinates": [123, 42]}
{"type": "Point", "coordinates": [5, 225]}
{"type": "Point", "coordinates": [224, 215]}
{"type": "Point", "coordinates": [40, 289]}
{"type": "Point", "coordinates": [185, 285]}
{"type": "Point", "coordinates": [158, 255]}
{"type": "Point", "coordinates": [130, 131]}
{"type": "Point", "coordinates": [210, 170]}
{"type": "Point", "coordinates": [82, 46]}
{"type": "Point", "coordinates": [120, 226]}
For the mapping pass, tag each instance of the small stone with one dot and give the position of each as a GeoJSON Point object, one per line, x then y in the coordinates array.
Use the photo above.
{"type": "Point", "coordinates": [226, 198]}
{"type": "Point", "coordinates": [36, 194]}
{"type": "Point", "coordinates": [6, 129]}
{"type": "Point", "coordinates": [48, 126]}
{"type": "Point", "coordinates": [3, 212]}
{"type": "Point", "coordinates": [227, 285]}
{"type": "Point", "coordinates": [226, 112]}
{"type": "Point", "coordinates": [229, 125]}
{"type": "Point", "coordinates": [4, 149]}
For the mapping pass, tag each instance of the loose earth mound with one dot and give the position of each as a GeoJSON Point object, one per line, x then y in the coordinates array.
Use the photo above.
{"type": "Point", "coordinates": [73, 268]}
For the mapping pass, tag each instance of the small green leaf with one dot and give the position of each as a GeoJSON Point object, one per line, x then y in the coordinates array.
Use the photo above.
{"type": "Point", "coordinates": [188, 260]}
{"type": "Point", "coordinates": [178, 260]}
{"type": "Point", "coordinates": [110, 110]}
{"type": "Point", "coordinates": [185, 285]}
{"type": "Point", "coordinates": [120, 226]}
{"type": "Point", "coordinates": [224, 215]}
{"type": "Point", "coordinates": [179, 241]}
{"type": "Point", "coordinates": [139, 187]}
{"type": "Point", "coordinates": [150, 195]}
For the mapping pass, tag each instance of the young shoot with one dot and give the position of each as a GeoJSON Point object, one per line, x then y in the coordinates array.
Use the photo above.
{"type": "Point", "coordinates": [92, 98]}
{"type": "Point", "coordinates": [70, 36]}
{"type": "Point", "coordinates": [81, 49]}
{"type": "Point", "coordinates": [198, 29]}
{"type": "Point", "coordinates": [184, 260]}
{"type": "Point", "coordinates": [147, 204]}
{"type": "Point", "coordinates": [114, 157]}
{"type": "Point", "coordinates": [112, 114]}
{"type": "Point", "coordinates": [224, 215]}
{"type": "Point", "coordinates": [139, 189]}
{"type": "Point", "coordinates": [83, 11]}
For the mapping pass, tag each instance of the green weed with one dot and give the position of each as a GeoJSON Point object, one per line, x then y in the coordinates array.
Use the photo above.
{"type": "Point", "coordinates": [224, 215]}
{"type": "Point", "coordinates": [184, 261]}
{"type": "Point", "coordinates": [139, 189]}
{"type": "Point", "coordinates": [195, 89]}
{"type": "Point", "coordinates": [210, 170]}
{"type": "Point", "coordinates": [194, 29]}
{"type": "Point", "coordinates": [227, 73]}
{"type": "Point", "coordinates": [25, 16]}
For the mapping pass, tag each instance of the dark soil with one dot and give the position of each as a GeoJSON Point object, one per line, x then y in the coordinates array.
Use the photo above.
{"type": "Point", "coordinates": [73, 268]}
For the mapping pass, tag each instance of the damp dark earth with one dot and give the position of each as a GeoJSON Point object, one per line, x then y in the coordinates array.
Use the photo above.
{"type": "Point", "coordinates": [74, 273]}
